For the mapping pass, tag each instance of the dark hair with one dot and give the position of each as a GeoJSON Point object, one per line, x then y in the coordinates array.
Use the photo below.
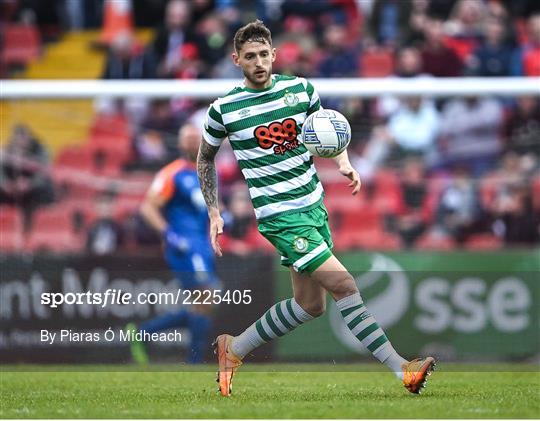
{"type": "Point", "coordinates": [254, 31]}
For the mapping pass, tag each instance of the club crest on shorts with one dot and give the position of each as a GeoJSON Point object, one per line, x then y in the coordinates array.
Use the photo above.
{"type": "Point", "coordinates": [300, 244]}
{"type": "Point", "coordinates": [290, 99]}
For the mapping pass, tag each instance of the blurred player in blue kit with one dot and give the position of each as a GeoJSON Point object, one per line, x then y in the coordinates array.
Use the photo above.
{"type": "Point", "coordinates": [174, 206]}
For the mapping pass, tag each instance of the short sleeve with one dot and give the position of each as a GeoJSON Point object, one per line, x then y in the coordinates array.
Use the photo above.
{"type": "Point", "coordinates": [163, 184]}
{"type": "Point", "coordinates": [314, 100]}
{"type": "Point", "coordinates": [214, 130]}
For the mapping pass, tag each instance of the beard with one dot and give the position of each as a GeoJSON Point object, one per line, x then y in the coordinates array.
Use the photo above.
{"type": "Point", "coordinates": [255, 80]}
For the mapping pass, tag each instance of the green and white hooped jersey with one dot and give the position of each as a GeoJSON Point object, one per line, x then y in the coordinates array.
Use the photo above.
{"type": "Point", "coordinates": [262, 126]}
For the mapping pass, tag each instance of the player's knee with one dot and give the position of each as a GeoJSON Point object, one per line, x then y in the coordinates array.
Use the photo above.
{"type": "Point", "coordinates": [344, 287]}
{"type": "Point", "coordinates": [315, 308]}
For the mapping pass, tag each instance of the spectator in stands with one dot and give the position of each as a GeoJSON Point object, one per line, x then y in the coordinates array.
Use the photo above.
{"type": "Point", "coordinates": [360, 113]}
{"type": "Point", "coordinates": [497, 10]}
{"type": "Point", "coordinates": [437, 59]}
{"type": "Point", "coordinates": [150, 149]}
{"type": "Point", "coordinates": [172, 36]}
{"type": "Point", "coordinates": [458, 208]}
{"type": "Point", "coordinates": [321, 12]}
{"type": "Point", "coordinates": [290, 60]}
{"type": "Point", "coordinates": [493, 57]}
{"type": "Point", "coordinates": [509, 173]}
{"type": "Point", "coordinates": [517, 221]}
{"type": "Point", "coordinates": [522, 8]}
{"type": "Point", "coordinates": [340, 58]}
{"type": "Point", "coordinates": [189, 65]}
{"type": "Point", "coordinates": [440, 8]}
{"type": "Point", "coordinates": [127, 60]}
{"type": "Point", "coordinates": [214, 35]}
{"type": "Point", "coordinates": [241, 236]}
{"type": "Point", "coordinates": [105, 235]}
{"type": "Point", "coordinates": [411, 218]}
{"type": "Point", "coordinates": [498, 185]}
{"type": "Point", "coordinates": [527, 59]}
{"type": "Point", "coordinates": [408, 64]}
{"type": "Point", "coordinates": [225, 68]}
{"type": "Point", "coordinates": [389, 20]}
{"type": "Point", "coordinates": [411, 131]}
{"type": "Point", "coordinates": [464, 28]}
{"type": "Point", "coordinates": [299, 51]}
{"type": "Point", "coordinates": [156, 140]}
{"type": "Point", "coordinates": [522, 131]}
{"type": "Point", "coordinates": [413, 128]}
{"type": "Point", "coordinates": [469, 130]}
{"type": "Point", "coordinates": [24, 178]}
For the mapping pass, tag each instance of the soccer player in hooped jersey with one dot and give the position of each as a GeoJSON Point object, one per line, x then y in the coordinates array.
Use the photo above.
{"type": "Point", "coordinates": [262, 118]}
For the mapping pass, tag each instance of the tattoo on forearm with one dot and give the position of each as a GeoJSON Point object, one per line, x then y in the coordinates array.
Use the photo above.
{"type": "Point", "coordinates": [206, 170]}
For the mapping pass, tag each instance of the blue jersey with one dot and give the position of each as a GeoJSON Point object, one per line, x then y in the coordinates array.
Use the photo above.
{"type": "Point", "coordinates": [186, 214]}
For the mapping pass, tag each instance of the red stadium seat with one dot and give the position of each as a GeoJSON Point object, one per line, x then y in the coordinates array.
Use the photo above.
{"type": "Point", "coordinates": [82, 210]}
{"type": "Point", "coordinates": [376, 63]}
{"type": "Point", "coordinates": [488, 190]}
{"type": "Point", "coordinates": [111, 144]}
{"type": "Point", "coordinates": [53, 230]}
{"type": "Point", "coordinates": [367, 239]}
{"type": "Point", "coordinates": [363, 219]}
{"type": "Point", "coordinates": [11, 229]}
{"type": "Point", "coordinates": [483, 242]}
{"type": "Point", "coordinates": [11, 241]}
{"type": "Point", "coordinates": [53, 219]}
{"type": "Point", "coordinates": [109, 155]}
{"type": "Point", "coordinates": [10, 218]}
{"type": "Point", "coordinates": [81, 190]}
{"type": "Point", "coordinates": [115, 125]}
{"type": "Point", "coordinates": [339, 197]}
{"type": "Point", "coordinates": [21, 44]}
{"type": "Point", "coordinates": [125, 207]}
{"type": "Point", "coordinates": [75, 157]}
{"type": "Point", "coordinates": [387, 192]}
{"type": "Point", "coordinates": [63, 242]}
{"type": "Point", "coordinates": [429, 241]}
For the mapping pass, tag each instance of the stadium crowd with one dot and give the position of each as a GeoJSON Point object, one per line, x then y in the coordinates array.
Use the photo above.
{"type": "Point", "coordinates": [437, 174]}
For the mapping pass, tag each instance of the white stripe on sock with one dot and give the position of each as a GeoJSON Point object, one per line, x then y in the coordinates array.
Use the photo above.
{"type": "Point", "coordinates": [350, 301]}
{"type": "Point", "coordinates": [276, 320]}
{"type": "Point", "coordinates": [285, 312]}
{"type": "Point", "coordinates": [372, 336]}
{"type": "Point", "coordinates": [362, 325]}
{"type": "Point", "coordinates": [354, 314]}
{"type": "Point", "coordinates": [378, 353]}
{"type": "Point", "coordinates": [267, 329]}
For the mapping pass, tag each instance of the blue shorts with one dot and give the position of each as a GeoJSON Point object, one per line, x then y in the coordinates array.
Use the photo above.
{"type": "Point", "coordinates": [194, 269]}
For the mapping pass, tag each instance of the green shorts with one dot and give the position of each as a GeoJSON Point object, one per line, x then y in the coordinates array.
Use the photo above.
{"type": "Point", "coordinates": [303, 239]}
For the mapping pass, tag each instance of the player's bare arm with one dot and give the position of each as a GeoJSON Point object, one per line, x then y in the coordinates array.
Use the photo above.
{"type": "Point", "coordinates": [206, 170]}
{"type": "Point", "coordinates": [345, 168]}
{"type": "Point", "coordinates": [151, 212]}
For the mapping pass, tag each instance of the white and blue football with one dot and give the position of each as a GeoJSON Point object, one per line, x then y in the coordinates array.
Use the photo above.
{"type": "Point", "coordinates": [326, 133]}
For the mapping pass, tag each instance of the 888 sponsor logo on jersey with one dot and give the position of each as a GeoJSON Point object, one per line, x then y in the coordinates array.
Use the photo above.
{"type": "Point", "coordinates": [280, 135]}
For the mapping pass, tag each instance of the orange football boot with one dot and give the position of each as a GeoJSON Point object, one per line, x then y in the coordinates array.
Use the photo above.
{"type": "Point", "coordinates": [228, 363]}
{"type": "Point", "coordinates": [415, 373]}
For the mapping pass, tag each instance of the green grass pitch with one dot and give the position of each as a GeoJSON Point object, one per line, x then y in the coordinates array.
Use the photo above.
{"type": "Point", "coordinates": [267, 391]}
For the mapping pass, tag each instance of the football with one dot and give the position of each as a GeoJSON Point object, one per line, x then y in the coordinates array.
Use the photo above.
{"type": "Point", "coordinates": [326, 133]}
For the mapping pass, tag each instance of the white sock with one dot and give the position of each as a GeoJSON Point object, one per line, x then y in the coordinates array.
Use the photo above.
{"type": "Point", "coordinates": [363, 325]}
{"type": "Point", "coordinates": [280, 319]}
